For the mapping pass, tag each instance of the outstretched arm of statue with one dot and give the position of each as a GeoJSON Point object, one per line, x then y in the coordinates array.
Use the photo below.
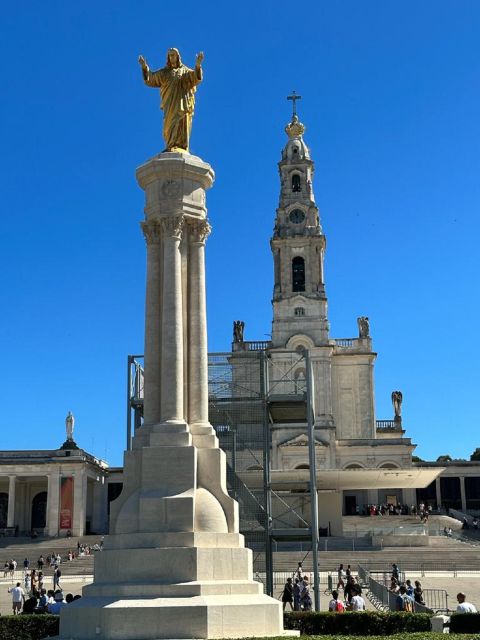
{"type": "Point", "coordinates": [198, 65]}
{"type": "Point", "coordinates": [147, 74]}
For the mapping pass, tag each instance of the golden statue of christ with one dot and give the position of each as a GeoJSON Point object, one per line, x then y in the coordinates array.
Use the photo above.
{"type": "Point", "coordinates": [177, 84]}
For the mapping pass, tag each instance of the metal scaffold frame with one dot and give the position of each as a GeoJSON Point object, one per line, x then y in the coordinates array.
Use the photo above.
{"type": "Point", "coordinates": [251, 389]}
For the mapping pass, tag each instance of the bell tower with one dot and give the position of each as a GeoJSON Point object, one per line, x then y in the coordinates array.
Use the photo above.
{"type": "Point", "coordinates": [298, 246]}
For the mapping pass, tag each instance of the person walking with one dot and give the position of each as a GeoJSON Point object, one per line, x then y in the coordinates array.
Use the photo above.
{"type": "Point", "coordinates": [18, 598]}
{"type": "Point", "coordinates": [57, 574]}
{"type": "Point", "coordinates": [287, 595]}
{"type": "Point", "coordinates": [340, 578]}
{"type": "Point", "coordinates": [305, 597]}
{"type": "Point", "coordinates": [418, 592]}
{"type": "Point", "coordinates": [296, 595]}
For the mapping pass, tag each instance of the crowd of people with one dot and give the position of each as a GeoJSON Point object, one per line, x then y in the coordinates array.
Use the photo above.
{"type": "Point", "coordinates": [388, 509]}
{"type": "Point", "coordinates": [33, 600]}
{"type": "Point", "coordinates": [407, 594]}
{"type": "Point", "coordinates": [296, 591]}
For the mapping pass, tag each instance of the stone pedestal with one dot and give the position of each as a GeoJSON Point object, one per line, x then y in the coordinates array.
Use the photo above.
{"type": "Point", "coordinates": [174, 565]}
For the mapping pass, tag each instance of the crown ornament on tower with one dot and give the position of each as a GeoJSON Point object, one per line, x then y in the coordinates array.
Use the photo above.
{"type": "Point", "coordinates": [295, 129]}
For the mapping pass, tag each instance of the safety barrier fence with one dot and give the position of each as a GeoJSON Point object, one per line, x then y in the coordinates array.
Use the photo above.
{"type": "Point", "coordinates": [382, 598]}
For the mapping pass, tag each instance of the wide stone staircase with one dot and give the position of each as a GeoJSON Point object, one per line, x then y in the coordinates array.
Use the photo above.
{"type": "Point", "coordinates": [21, 548]}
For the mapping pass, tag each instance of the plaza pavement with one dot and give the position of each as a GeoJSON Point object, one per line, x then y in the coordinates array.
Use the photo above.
{"type": "Point", "coordinates": [468, 583]}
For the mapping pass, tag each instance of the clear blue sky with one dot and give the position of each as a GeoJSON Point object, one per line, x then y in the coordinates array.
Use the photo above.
{"type": "Point", "coordinates": [391, 100]}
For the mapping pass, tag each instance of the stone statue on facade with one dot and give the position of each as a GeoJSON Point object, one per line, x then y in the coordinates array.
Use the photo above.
{"type": "Point", "coordinates": [70, 424]}
{"type": "Point", "coordinates": [397, 399]}
{"type": "Point", "coordinates": [363, 327]}
{"type": "Point", "coordinates": [238, 329]}
{"type": "Point", "coordinates": [177, 84]}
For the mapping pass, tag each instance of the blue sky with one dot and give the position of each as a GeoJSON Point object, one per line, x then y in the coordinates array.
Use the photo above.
{"type": "Point", "coordinates": [391, 98]}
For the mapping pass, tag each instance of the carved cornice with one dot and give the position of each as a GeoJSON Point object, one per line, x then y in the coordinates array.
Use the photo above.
{"type": "Point", "coordinates": [152, 231]}
{"type": "Point", "coordinates": [173, 226]}
{"type": "Point", "coordinates": [200, 230]}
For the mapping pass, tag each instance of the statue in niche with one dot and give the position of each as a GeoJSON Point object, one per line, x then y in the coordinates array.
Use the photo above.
{"type": "Point", "coordinates": [238, 328]}
{"type": "Point", "coordinates": [363, 327]}
{"type": "Point", "coordinates": [177, 84]}
{"type": "Point", "coordinates": [397, 399]}
{"type": "Point", "coordinates": [69, 425]}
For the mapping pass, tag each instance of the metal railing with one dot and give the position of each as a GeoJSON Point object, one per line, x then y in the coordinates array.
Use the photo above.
{"type": "Point", "coordinates": [385, 600]}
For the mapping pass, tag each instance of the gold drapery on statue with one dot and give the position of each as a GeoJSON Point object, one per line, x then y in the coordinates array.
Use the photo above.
{"type": "Point", "coordinates": [177, 84]}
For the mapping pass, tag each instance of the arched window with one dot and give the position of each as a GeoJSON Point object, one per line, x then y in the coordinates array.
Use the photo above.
{"type": "Point", "coordinates": [296, 186]}
{"type": "Point", "coordinates": [298, 274]}
{"type": "Point", "coordinates": [302, 466]}
{"type": "Point", "coordinates": [39, 510]}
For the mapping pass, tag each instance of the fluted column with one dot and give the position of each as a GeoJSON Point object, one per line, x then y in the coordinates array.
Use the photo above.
{"type": "Point", "coordinates": [172, 323]}
{"type": "Point", "coordinates": [153, 313]}
{"type": "Point", "coordinates": [197, 327]}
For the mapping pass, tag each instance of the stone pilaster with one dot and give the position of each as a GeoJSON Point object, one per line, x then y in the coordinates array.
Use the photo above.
{"type": "Point", "coordinates": [462, 494]}
{"type": "Point", "coordinates": [438, 493]}
{"type": "Point", "coordinates": [11, 501]}
{"type": "Point", "coordinates": [53, 504]}
{"type": "Point", "coordinates": [79, 502]}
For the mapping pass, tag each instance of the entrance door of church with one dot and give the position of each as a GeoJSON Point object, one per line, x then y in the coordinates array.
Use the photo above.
{"type": "Point", "coordinates": [39, 511]}
{"type": "Point", "coordinates": [350, 505]}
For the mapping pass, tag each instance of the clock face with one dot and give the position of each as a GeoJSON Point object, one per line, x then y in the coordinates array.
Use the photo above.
{"type": "Point", "coordinates": [296, 216]}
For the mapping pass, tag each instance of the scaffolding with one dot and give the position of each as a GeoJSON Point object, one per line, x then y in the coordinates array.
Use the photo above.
{"type": "Point", "coordinates": [250, 391]}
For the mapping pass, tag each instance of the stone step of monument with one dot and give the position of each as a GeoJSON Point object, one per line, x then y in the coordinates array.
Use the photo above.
{"type": "Point", "coordinates": [214, 616]}
{"type": "Point", "coordinates": [180, 590]}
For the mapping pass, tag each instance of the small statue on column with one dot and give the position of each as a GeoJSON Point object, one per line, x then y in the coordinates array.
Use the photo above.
{"type": "Point", "coordinates": [69, 426]}
{"type": "Point", "coordinates": [397, 398]}
{"type": "Point", "coordinates": [238, 328]}
{"type": "Point", "coordinates": [363, 327]}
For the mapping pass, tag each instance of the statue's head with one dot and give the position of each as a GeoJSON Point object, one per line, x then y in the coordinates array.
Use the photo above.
{"type": "Point", "coordinates": [173, 58]}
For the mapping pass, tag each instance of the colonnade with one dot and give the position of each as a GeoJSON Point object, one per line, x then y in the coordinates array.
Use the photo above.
{"type": "Point", "coordinates": [24, 488]}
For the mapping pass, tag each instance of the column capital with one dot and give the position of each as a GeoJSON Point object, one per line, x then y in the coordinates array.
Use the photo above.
{"type": "Point", "coordinates": [172, 226]}
{"type": "Point", "coordinates": [200, 230]}
{"type": "Point", "coordinates": [152, 230]}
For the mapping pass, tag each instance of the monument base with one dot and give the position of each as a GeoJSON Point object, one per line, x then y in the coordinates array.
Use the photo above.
{"type": "Point", "coordinates": [146, 617]}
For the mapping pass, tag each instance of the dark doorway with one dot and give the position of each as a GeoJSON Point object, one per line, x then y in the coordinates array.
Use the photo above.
{"type": "Point", "coordinates": [3, 509]}
{"type": "Point", "coordinates": [39, 511]}
{"type": "Point", "coordinates": [350, 505]}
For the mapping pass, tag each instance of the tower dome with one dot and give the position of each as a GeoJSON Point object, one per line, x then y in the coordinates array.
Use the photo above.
{"type": "Point", "coordinates": [295, 149]}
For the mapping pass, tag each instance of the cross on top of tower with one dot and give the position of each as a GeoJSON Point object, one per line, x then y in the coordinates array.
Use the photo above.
{"type": "Point", "coordinates": [293, 97]}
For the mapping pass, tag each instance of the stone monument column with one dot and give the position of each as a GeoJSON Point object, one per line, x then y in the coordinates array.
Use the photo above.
{"type": "Point", "coordinates": [153, 313]}
{"type": "Point", "coordinates": [172, 381]}
{"type": "Point", "coordinates": [203, 433]}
